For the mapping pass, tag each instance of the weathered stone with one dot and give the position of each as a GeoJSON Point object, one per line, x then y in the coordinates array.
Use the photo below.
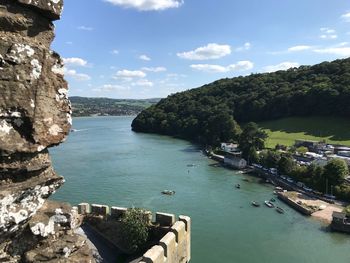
{"type": "Point", "coordinates": [52, 9]}
{"type": "Point", "coordinates": [34, 107]}
{"type": "Point", "coordinates": [35, 114]}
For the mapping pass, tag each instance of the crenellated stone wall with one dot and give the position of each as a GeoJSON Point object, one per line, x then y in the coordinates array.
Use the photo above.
{"type": "Point", "coordinates": [173, 247]}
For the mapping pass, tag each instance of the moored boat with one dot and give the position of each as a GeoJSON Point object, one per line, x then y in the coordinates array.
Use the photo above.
{"type": "Point", "coordinates": [280, 210]}
{"type": "Point", "coordinates": [238, 186]}
{"type": "Point", "coordinates": [269, 204]}
{"type": "Point", "coordinates": [272, 200]}
{"type": "Point", "coordinates": [256, 204]}
{"type": "Point", "coordinates": [168, 192]}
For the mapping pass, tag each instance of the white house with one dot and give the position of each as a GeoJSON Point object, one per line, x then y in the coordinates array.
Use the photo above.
{"type": "Point", "coordinates": [229, 147]}
{"type": "Point", "coordinates": [235, 162]}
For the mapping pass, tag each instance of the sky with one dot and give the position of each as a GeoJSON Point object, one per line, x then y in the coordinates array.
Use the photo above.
{"type": "Point", "coordinates": [153, 48]}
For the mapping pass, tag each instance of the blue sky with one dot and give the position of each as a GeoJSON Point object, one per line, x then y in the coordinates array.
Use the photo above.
{"type": "Point", "coordinates": [152, 48]}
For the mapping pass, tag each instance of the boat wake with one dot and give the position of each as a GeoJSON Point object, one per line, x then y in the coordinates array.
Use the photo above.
{"type": "Point", "coordinates": [76, 130]}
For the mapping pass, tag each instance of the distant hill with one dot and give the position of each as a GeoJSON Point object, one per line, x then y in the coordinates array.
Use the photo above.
{"type": "Point", "coordinates": [209, 114]}
{"type": "Point", "coordinates": [83, 106]}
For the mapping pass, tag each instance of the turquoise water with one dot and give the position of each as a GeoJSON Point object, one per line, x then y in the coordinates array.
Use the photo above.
{"type": "Point", "coordinates": [105, 162]}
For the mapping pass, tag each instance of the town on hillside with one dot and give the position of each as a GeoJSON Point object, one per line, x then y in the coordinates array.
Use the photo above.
{"type": "Point", "coordinates": [311, 176]}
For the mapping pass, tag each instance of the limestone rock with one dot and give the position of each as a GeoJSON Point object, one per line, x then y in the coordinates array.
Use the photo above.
{"type": "Point", "coordinates": [49, 8]}
{"type": "Point", "coordinates": [35, 114]}
{"type": "Point", "coordinates": [50, 237]}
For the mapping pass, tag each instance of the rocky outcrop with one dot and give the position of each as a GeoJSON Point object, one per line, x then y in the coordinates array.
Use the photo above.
{"type": "Point", "coordinates": [35, 114]}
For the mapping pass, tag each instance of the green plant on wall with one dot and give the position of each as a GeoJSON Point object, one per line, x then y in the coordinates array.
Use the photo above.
{"type": "Point", "coordinates": [134, 229]}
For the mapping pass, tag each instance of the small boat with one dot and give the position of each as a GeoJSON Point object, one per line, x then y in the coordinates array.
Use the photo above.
{"type": "Point", "coordinates": [272, 200]}
{"type": "Point", "coordinates": [191, 165]}
{"type": "Point", "coordinates": [275, 192]}
{"type": "Point", "coordinates": [256, 204]}
{"type": "Point", "coordinates": [269, 204]}
{"type": "Point", "coordinates": [280, 210]}
{"type": "Point", "coordinates": [238, 186]}
{"type": "Point", "coordinates": [245, 180]}
{"type": "Point", "coordinates": [73, 130]}
{"type": "Point", "coordinates": [168, 192]}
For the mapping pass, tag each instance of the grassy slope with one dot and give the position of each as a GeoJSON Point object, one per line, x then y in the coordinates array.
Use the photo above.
{"type": "Point", "coordinates": [286, 131]}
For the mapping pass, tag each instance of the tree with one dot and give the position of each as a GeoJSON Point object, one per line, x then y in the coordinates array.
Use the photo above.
{"type": "Point", "coordinates": [134, 229]}
{"type": "Point", "coordinates": [286, 165]}
{"type": "Point", "coordinates": [302, 149]}
{"type": "Point", "coordinates": [335, 171]}
{"type": "Point", "coordinates": [251, 139]}
{"type": "Point", "coordinates": [316, 172]}
{"type": "Point", "coordinates": [269, 158]}
{"type": "Point", "coordinates": [347, 211]}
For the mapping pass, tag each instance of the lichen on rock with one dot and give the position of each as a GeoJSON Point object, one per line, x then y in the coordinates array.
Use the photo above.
{"type": "Point", "coordinates": [35, 114]}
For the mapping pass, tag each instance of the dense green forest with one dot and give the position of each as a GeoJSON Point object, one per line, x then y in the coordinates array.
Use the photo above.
{"type": "Point", "coordinates": [209, 114]}
{"type": "Point", "coordinates": [83, 106]}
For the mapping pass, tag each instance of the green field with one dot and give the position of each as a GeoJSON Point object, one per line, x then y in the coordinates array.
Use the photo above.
{"type": "Point", "coordinates": [285, 131]}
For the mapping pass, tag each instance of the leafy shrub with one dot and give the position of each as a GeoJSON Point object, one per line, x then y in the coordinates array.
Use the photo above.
{"type": "Point", "coordinates": [134, 229]}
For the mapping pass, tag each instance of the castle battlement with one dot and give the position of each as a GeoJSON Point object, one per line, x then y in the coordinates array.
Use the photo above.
{"type": "Point", "coordinates": [173, 247]}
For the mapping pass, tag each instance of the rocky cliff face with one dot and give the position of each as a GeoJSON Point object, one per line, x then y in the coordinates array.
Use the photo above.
{"type": "Point", "coordinates": [34, 114]}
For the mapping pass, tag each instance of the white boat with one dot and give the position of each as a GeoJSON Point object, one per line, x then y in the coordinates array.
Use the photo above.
{"type": "Point", "coordinates": [269, 204]}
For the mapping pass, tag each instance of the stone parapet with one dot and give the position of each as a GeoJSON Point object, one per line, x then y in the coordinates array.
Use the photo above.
{"type": "Point", "coordinates": [173, 247]}
{"type": "Point", "coordinates": [165, 219]}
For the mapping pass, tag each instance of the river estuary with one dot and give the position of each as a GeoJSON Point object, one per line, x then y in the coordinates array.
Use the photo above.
{"type": "Point", "coordinates": [105, 162]}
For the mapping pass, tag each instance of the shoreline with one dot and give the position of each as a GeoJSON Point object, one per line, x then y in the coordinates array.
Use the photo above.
{"type": "Point", "coordinates": [320, 210]}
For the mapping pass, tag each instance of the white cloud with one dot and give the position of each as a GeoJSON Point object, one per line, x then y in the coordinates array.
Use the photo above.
{"type": "Point", "coordinates": [129, 75]}
{"type": "Point", "coordinates": [324, 36]}
{"type": "Point", "coordinates": [115, 52]}
{"type": "Point", "coordinates": [155, 69]}
{"type": "Point", "coordinates": [75, 75]}
{"type": "Point", "coordinates": [175, 75]}
{"type": "Point", "coordinates": [327, 30]}
{"type": "Point", "coordinates": [282, 66]}
{"type": "Point", "coordinates": [246, 46]}
{"type": "Point", "coordinates": [239, 66]}
{"type": "Point", "coordinates": [143, 83]}
{"type": "Point", "coordinates": [328, 33]}
{"type": "Point", "coordinates": [342, 44]}
{"type": "Point", "coordinates": [346, 17]}
{"type": "Point", "coordinates": [85, 28]}
{"type": "Point", "coordinates": [299, 48]}
{"type": "Point", "coordinates": [145, 58]}
{"type": "Point", "coordinates": [75, 62]}
{"type": "Point", "coordinates": [110, 88]}
{"type": "Point", "coordinates": [147, 5]}
{"type": "Point", "coordinates": [210, 51]}
{"type": "Point", "coordinates": [342, 51]}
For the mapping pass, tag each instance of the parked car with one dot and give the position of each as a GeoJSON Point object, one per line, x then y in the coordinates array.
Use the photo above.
{"type": "Point", "coordinates": [329, 196]}
{"type": "Point", "coordinates": [300, 184]}
{"type": "Point", "coordinates": [290, 180]}
{"type": "Point", "coordinates": [307, 189]}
